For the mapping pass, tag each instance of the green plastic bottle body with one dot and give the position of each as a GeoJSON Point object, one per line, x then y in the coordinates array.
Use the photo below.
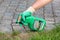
{"type": "Point", "coordinates": [43, 23]}
{"type": "Point", "coordinates": [30, 20]}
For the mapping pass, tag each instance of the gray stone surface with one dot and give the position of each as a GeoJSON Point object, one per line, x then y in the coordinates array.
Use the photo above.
{"type": "Point", "coordinates": [21, 6]}
{"type": "Point", "coordinates": [8, 16]}
{"type": "Point", "coordinates": [39, 13]}
{"type": "Point", "coordinates": [5, 22]}
{"type": "Point", "coordinates": [18, 28]}
{"type": "Point", "coordinates": [9, 9]}
{"type": "Point", "coordinates": [5, 28]}
{"type": "Point", "coordinates": [1, 1]}
{"type": "Point", "coordinates": [48, 10]}
{"type": "Point", "coordinates": [57, 19]}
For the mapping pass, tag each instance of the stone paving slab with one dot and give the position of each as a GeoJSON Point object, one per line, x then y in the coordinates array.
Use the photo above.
{"type": "Point", "coordinates": [21, 6]}
{"type": "Point", "coordinates": [49, 27]}
{"type": "Point", "coordinates": [5, 28]}
{"type": "Point", "coordinates": [49, 19]}
{"type": "Point", "coordinates": [30, 2]}
{"type": "Point", "coordinates": [7, 17]}
{"type": "Point", "coordinates": [57, 19]}
{"type": "Point", "coordinates": [18, 28]}
{"type": "Point", "coordinates": [57, 13]}
{"type": "Point", "coordinates": [39, 13]}
{"type": "Point", "coordinates": [48, 11]}
{"type": "Point", "coordinates": [2, 9]}
{"type": "Point", "coordinates": [5, 22]}
{"type": "Point", "coordinates": [1, 1]}
{"type": "Point", "coordinates": [5, 3]}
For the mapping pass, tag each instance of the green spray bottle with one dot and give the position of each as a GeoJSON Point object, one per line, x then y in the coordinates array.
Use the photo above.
{"type": "Point", "coordinates": [34, 23]}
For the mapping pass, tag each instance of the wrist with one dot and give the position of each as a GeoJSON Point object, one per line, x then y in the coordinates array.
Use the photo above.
{"type": "Point", "coordinates": [31, 9]}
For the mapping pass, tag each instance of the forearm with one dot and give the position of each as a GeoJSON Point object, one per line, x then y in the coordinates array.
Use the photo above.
{"type": "Point", "coordinates": [40, 3]}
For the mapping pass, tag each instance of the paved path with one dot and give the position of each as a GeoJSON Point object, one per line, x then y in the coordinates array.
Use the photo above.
{"type": "Point", "coordinates": [9, 9]}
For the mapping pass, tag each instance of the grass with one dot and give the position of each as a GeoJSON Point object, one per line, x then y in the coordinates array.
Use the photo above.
{"type": "Point", "coordinates": [14, 33]}
{"type": "Point", "coordinates": [12, 36]}
{"type": "Point", "coordinates": [53, 34]}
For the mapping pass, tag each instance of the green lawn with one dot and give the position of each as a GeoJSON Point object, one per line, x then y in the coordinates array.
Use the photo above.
{"type": "Point", "coordinates": [53, 34]}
